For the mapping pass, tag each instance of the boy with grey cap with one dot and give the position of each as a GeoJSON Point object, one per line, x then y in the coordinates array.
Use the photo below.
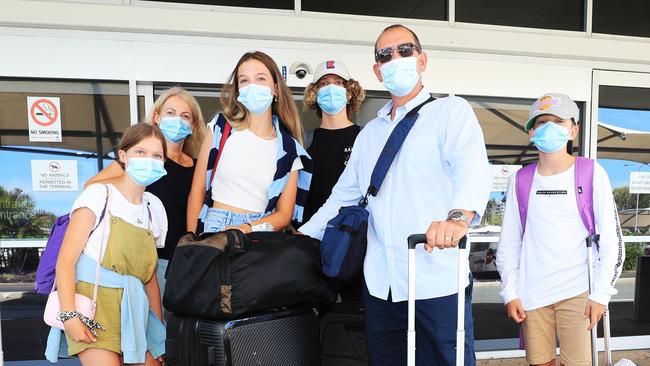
{"type": "Point", "coordinates": [543, 263]}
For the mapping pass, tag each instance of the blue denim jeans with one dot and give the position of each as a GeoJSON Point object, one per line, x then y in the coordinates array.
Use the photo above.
{"type": "Point", "coordinates": [435, 326]}
{"type": "Point", "coordinates": [218, 219]}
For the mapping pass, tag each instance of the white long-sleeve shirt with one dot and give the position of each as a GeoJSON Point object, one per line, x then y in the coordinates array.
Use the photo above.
{"type": "Point", "coordinates": [549, 263]}
{"type": "Point", "coordinates": [442, 165]}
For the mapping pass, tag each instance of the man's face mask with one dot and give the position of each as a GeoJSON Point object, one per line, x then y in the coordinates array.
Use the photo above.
{"type": "Point", "coordinates": [550, 137]}
{"type": "Point", "coordinates": [400, 75]}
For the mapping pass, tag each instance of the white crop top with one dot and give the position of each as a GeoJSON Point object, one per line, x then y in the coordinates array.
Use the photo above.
{"type": "Point", "coordinates": [245, 171]}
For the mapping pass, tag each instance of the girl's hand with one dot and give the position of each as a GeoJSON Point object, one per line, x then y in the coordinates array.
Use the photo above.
{"type": "Point", "coordinates": [244, 228]}
{"type": "Point", "coordinates": [78, 331]}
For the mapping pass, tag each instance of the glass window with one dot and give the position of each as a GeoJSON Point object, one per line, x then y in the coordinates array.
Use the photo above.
{"type": "Point", "coordinates": [629, 18]}
{"type": "Point", "coordinates": [562, 15]}
{"type": "Point", "coordinates": [431, 9]}
{"type": "Point", "coordinates": [623, 150]}
{"type": "Point", "coordinates": [268, 4]}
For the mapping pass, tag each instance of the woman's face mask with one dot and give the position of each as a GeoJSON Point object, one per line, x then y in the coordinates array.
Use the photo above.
{"type": "Point", "coordinates": [145, 171]}
{"type": "Point", "coordinates": [256, 98]}
{"type": "Point", "coordinates": [550, 137]}
{"type": "Point", "coordinates": [332, 99]}
{"type": "Point", "coordinates": [175, 128]}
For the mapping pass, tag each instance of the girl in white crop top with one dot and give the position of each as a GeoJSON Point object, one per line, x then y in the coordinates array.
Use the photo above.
{"type": "Point", "coordinates": [259, 108]}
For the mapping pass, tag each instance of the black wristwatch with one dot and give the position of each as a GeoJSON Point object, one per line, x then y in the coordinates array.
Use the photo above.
{"type": "Point", "coordinates": [457, 215]}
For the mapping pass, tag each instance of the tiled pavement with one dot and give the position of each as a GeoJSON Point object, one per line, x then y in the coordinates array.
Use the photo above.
{"type": "Point", "coordinates": [639, 357]}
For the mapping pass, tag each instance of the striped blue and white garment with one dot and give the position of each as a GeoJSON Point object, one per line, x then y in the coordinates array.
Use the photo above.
{"type": "Point", "coordinates": [288, 149]}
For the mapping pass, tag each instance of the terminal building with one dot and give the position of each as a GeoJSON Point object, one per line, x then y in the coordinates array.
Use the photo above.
{"type": "Point", "coordinates": [97, 66]}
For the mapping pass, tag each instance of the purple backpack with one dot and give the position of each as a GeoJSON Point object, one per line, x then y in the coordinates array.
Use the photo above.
{"type": "Point", "coordinates": [584, 186]}
{"type": "Point", "coordinates": [45, 273]}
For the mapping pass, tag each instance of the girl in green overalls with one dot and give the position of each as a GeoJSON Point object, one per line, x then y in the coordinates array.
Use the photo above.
{"type": "Point", "coordinates": [128, 301]}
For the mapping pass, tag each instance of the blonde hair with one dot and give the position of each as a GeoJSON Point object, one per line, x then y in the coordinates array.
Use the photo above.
{"type": "Point", "coordinates": [355, 94]}
{"type": "Point", "coordinates": [192, 143]}
{"type": "Point", "coordinates": [284, 107]}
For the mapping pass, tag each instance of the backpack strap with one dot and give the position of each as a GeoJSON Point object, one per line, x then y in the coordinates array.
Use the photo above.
{"type": "Point", "coordinates": [584, 189]}
{"type": "Point", "coordinates": [584, 185]}
{"type": "Point", "coordinates": [523, 184]}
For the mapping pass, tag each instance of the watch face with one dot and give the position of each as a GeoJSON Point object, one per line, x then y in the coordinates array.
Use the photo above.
{"type": "Point", "coordinates": [456, 215]}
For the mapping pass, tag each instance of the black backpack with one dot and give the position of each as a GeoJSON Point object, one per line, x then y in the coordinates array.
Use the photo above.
{"type": "Point", "coordinates": [225, 274]}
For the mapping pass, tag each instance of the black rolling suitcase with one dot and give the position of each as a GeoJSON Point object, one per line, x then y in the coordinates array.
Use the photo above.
{"type": "Point", "coordinates": [343, 336]}
{"type": "Point", "coordinates": [273, 338]}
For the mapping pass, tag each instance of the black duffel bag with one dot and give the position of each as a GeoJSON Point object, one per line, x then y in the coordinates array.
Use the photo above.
{"type": "Point", "coordinates": [225, 274]}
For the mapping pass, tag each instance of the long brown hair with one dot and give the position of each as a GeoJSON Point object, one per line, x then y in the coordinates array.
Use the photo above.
{"type": "Point", "coordinates": [284, 107]}
{"type": "Point", "coordinates": [138, 132]}
{"type": "Point", "coordinates": [192, 143]}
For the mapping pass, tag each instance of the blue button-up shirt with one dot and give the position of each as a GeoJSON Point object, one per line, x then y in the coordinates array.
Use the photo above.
{"type": "Point", "coordinates": [442, 165]}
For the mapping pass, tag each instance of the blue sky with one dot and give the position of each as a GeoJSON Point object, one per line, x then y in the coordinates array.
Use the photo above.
{"type": "Point", "coordinates": [16, 166]}
{"type": "Point", "coordinates": [18, 171]}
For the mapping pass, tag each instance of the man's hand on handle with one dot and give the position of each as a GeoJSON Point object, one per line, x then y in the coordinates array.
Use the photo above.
{"type": "Point", "coordinates": [444, 234]}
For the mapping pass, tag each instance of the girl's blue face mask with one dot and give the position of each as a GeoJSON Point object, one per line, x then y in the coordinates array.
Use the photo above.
{"type": "Point", "coordinates": [145, 171]}
{"type": "Point", "coordinates": [256, 98]}
{"type": "Point", "coordinates": [400, 75]}
{"type": "Point", "coordinates": [550, 137]}
{"type": "Point", "coordinates": [332, 99]}
{"type": "Point", "coordinates": [175, 128]}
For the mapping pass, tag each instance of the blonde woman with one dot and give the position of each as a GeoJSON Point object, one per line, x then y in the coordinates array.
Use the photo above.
{"type": "Point", "coordinates": [176, 112]}
{"type": "Point", "coordinates": [263, 173]}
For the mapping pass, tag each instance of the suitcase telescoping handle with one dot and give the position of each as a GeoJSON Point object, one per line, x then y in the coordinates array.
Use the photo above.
{"type": "Point", "coordinates": [591, 239]}
{"type": "Point", "coordinates": [414, 240]}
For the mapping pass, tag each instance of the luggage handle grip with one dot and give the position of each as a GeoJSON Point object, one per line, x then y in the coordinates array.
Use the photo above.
{"type": "Point", "coordinates": [416, 239]}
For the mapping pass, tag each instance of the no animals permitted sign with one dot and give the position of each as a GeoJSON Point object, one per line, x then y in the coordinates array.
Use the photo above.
{"type": "Point", "coordinates": [44, 117]}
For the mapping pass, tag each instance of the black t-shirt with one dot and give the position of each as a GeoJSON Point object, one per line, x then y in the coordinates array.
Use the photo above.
{"type": "Point", "coordinates": [330, 151]}
{"type": "Point", "coordinates": [173, 190]}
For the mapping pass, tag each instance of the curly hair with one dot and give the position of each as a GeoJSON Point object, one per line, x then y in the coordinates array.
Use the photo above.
{"type": "Point", "coordinates": [355, 94]}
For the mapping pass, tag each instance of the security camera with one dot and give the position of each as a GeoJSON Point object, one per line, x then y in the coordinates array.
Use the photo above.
{"type": "Point", "coordinates": [300, 69]}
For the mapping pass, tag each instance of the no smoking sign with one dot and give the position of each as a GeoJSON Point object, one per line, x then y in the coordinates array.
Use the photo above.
{"type": "Point", "coordinates": [44, 117]}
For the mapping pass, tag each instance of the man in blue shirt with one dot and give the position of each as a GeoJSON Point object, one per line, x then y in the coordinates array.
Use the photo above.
{"type": "Point", "coordinates": [438, 183]}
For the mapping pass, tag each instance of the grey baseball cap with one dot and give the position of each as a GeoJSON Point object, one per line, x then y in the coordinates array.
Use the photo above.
{"type": "Point", "coordinates": [557, 104]}
{"type": "Point", "coordinates": [331, 67]}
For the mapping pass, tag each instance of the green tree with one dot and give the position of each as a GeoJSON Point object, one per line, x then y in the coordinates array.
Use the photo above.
{"type": "Point", "coordinates": [20, 219]}
{"type": "Point", "coordinates": [626, 200]}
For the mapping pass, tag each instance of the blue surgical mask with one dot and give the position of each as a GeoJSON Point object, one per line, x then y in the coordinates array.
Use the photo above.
{"type": "Point", "coordinates": [550, 137]}
{"type": "Point", "coordinates": [256, 98]}
{"type": "Point", "coordinates": [175, 128]}
{"type": "Point", "coordinates": [145, 171]}
{"type": "Point", "coordinates": [332, 98]}
{"type": "Point", "coordinates": [400, 75]}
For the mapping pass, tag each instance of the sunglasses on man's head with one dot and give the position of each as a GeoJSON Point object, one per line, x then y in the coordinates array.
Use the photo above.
{"type": "Point", "coordinates": [385, 54]}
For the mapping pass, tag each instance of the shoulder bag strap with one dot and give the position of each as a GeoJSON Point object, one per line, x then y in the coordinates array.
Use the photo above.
{"type": "Point", "coordinates": [391, 148]}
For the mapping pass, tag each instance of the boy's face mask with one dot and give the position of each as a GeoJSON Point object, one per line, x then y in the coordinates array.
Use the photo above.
{"type": "Point", "coordinates": [550, 137]}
